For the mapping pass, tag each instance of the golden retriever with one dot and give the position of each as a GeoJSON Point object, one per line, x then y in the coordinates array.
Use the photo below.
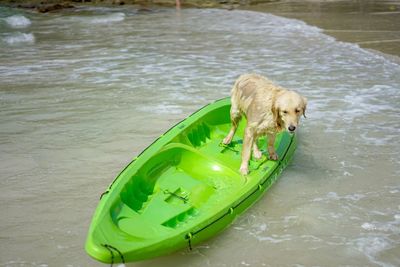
{"type": "Point", "coordinates": [268, 108]}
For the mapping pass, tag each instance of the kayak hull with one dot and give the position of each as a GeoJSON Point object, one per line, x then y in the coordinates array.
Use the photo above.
{"type": "Point", "coordinates": [183, 189]}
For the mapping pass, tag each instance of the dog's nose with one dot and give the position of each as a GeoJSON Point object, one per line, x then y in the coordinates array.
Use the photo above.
{"type": "Point", "coordinates": [292, 128]}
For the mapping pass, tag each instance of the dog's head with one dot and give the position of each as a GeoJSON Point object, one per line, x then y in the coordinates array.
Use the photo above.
{"type": "Point", "coordinates": [287, 109]}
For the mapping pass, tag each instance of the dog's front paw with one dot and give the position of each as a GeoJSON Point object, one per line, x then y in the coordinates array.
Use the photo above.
{"type": "Point", "coordinates": [227, 140]}
{"type": "Point", "coordinates": [244, 170]}
{"type": "Point", "coordinates": [273, 156]}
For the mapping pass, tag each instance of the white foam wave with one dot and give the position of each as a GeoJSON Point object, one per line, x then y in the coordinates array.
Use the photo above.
{"type": "Point", "coordinates": [18, 21]}
{"type": "Point", "coordinates": [92, 19]}
{"type": "Point", "coordinates": [20, 38]}
{"type": "Point", "coordinates": [368, 226]}
{"type": "Point", "coordinates": [275, 239]}
{"type": "Point", "coordinates": [386, 226]}
{"type": "Point", "coordinates": [23, 263]}
{"type": "Point", "coordinates": [335, 196]}
{"type": "Point", "coordinates": [372, 247]}
{"type": "Point", "coordinates": [161, 109]}
{"type": "Point", "coordinates": [114, 17]}
{"type": "Point", "coordinates": [264, 23]}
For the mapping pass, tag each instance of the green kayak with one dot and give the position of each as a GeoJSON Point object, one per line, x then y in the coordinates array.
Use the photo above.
{"type": "Point", "coordinates": [182, 189]}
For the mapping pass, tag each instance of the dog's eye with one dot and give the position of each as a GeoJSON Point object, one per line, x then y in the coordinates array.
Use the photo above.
{"type": "Point", "coordinates": [297, 110]}
{"type": "Point", "coordinates": [285, 112]}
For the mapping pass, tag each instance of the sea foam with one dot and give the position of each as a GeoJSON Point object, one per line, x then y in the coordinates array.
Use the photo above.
{"type": "Point", "coordinates": [19, 38]}
{"type": "Point", "coordinates": [114, 17]}
{"type": "Point", "coordinates": [18, 21]}
{"type": "Point", "coordinates": [373, 246]}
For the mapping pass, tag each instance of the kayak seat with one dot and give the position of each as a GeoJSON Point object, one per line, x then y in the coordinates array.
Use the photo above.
{"type": "Point", "coordinates": [176, 186]}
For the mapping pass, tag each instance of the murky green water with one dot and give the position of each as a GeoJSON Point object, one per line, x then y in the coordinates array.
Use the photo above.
{"type": "Point", "coordinates": [83, 92]}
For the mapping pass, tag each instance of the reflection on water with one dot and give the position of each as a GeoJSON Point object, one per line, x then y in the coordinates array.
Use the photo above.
{"type": "Point", "coordinates": [83, 92]}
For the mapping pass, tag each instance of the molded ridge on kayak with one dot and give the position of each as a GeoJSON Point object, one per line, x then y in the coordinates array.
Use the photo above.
{"type": "Point", "coordinates": [182, 189]}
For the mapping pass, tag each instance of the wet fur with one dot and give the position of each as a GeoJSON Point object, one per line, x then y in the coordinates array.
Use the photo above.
{"type": "Point", "coordinates": [268, 108]}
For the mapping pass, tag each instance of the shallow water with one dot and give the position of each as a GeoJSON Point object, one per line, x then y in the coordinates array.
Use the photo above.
{"type": "Point", "coordinates": [372, 24]}
{"type": "Point", "coordinates": [83, 92]}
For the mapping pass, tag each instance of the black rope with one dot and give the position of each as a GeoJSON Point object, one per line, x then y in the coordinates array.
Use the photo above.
{"type": "Point", "coordinates": [104, 193]}
{"type": "Point", "coordinates": [120, 254]}
{"type": "Point", "coordinates": [230, 211]}
{"type": "Point", "coordinates": [112, 254]}
{"type": "Point", "coordinates": [111, 248]}
{"type": "Point", "coordinates": [189, 237]}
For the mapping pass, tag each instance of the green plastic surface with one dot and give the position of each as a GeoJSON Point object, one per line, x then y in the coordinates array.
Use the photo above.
{"type": "Point", "coordinates": [182, 189]}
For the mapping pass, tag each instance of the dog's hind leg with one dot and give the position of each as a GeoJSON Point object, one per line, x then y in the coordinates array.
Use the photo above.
{"type": "Point", "coordinates": [235, 119]}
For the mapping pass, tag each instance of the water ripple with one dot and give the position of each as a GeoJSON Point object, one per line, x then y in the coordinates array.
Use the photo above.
{"type": "Point", "coordinates": [84, 91]}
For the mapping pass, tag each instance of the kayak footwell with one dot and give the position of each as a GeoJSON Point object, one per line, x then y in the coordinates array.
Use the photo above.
{"type": "Point", "coordinates": [178, 191]}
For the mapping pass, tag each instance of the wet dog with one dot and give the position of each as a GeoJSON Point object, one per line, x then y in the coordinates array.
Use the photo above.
{"type": "Point", "coordinates": [268, 108]}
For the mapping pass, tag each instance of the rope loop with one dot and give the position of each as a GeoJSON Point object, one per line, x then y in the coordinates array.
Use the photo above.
{"type": "Point", "coordinates": [231, 210]}
{"type": "Point", "coordinates": [189, 237]}
{"type": "Point", "coordinates": [111, 249]}
{"type": "Point", "coordinates": [104, 193]}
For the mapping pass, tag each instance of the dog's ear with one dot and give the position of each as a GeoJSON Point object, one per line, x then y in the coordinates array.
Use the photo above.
{"type": "Point", "coordinates": [277, 117]}
{"type": "Point", "coordinates": [304, 106]}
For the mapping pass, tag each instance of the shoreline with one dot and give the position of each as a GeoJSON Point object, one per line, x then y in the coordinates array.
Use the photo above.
{"type": "Point", "coordinates": [369, 24]}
